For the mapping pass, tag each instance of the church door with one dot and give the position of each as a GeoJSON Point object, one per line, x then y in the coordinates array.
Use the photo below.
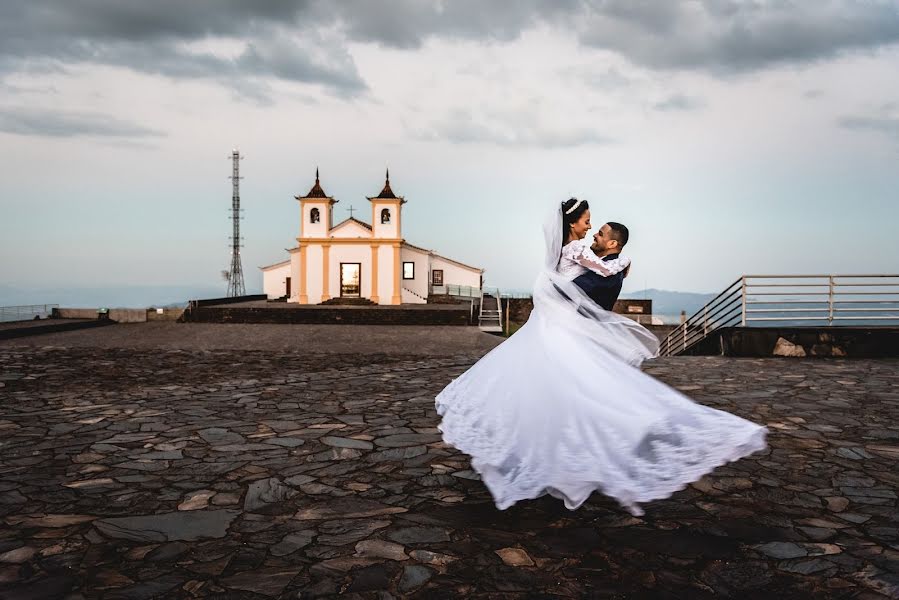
{"type": "Point", "coordinates": [287, 287]}
{"type": "Point", "coordinates": [350, 280]}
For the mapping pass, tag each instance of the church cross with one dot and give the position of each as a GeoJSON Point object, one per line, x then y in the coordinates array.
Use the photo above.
{"type": "Point", "coordinates": [351, 209]}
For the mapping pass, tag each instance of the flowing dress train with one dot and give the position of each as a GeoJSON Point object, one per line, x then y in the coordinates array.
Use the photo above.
{"type": "Point", "coordinates": [562, 408]}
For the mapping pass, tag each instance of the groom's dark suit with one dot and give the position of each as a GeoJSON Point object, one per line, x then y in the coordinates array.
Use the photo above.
{"type": "Point", "coordinates": [602, 290]}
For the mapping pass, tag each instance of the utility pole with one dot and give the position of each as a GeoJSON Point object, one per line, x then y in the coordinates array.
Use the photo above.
{"type": "Point", "coordinates": [235, 275]}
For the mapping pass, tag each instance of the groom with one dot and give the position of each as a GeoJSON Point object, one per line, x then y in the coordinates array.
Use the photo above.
{"type": "Point", "coordinates": [607, 244]}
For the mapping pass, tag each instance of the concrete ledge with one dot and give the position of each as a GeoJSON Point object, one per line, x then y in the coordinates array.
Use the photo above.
{"type": "Point", "coordinates": [799, 342]}
{"type": "Point", "coordinates": [29, 328]}
{"type": "Point", "coordinates": [233, 300]}
{"type": "Point", "coordinates": [164, 314]}
{"type": "Point", "coordinates": [121, 315]}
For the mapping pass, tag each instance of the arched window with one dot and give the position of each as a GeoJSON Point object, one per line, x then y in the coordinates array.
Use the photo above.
{"type": "Point", "coordinates": [385, 216]}
{"type": "Point", "coordinates": [314, 217]}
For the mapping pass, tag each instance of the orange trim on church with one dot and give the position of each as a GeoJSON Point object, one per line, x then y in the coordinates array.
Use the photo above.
{"type": "Point", "coordinates": [397, 298]}
{"type": "Point", "coordinates": [323, 241]}
{"type": "Point", "coordinates": [303, 299]}
{"type": "Point", "coordinates": [326, 258]}
{"type": "Point", "coordinates": [375, 249]}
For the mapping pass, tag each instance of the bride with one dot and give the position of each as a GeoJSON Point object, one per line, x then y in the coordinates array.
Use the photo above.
{"type": "Point", "coordinates": [562, 407]}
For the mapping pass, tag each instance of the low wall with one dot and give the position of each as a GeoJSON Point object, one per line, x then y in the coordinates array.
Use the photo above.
{"type": "Point", "coordinates": [518, 309]}
{"type": "Point", "coordinates": [347, 315]}
{"type": "Point", "coordinates": [446, 299]}
{"type": "Point", "coordinates": [232, 300]}
{"type": "Point", "coordinates": [800, 342]}
{"type": "Point", "coordinates": [121, 315]}
{"type": "Point", "coordinates": [31, 328]}
{"type": "Point", "coordinates": [661, 331]}
{"type": "Point", "coordinates": [164, 314]}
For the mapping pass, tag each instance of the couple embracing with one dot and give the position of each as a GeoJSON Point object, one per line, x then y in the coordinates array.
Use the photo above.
{"type": "Point", "coordinates": [562, 407]}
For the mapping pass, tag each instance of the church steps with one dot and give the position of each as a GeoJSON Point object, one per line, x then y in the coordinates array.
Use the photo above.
{"type": "Point", "coordinates": [423, 299]}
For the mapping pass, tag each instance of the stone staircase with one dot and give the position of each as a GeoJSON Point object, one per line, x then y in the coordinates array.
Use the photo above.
{"type": "Point", "coordinates": [419, 296]}
{"type": "Point", "coordinates": [490, 318]}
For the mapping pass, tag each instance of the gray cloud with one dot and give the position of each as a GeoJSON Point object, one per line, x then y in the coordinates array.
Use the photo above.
{"type": "Point", "coordinates": [679, 102]}
{"type": "Point", "coordinates": [409, 23]}
{"type": "Point", "coordinates": [62, 124]}
{"type": "Point", "coordinates": [283, 39]}
{"type": "Point", "coordinates": [708, 35]}
{"type": "Point", "coordinates": [153, 37]}
{"type": "Point", "coordinates": [729, 36]}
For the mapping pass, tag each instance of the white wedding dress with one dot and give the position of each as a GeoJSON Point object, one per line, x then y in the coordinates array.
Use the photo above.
{"type": "Point", "coordinates": [562, 407]}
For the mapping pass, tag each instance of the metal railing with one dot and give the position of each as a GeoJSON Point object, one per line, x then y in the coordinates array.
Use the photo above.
{"type": "Point", "coordinates": [26, 312]}
{"type": "Point", "coordinates": [516, 295]}
{"type": "Point", "coordinates": [464, 291]}
{"type": "Point", "coordinates": [792, 301]}
{"type": "Point", "coordinates": [467, 291]}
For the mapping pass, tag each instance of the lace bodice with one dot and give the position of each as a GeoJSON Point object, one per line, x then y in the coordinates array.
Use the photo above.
{"type": "Point", "coordinates": [577, 258]}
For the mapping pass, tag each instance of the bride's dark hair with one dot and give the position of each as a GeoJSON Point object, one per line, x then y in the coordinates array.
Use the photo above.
{"type": "Point", "coordinates": [568, 219]}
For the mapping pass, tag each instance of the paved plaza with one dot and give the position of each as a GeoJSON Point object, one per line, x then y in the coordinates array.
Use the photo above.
{"type": "Point", "coordinates": [301, 468]}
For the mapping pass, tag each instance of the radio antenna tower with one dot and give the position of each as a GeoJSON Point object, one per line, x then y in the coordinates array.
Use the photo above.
{"type": "Point", "coordinates": [235, 275]}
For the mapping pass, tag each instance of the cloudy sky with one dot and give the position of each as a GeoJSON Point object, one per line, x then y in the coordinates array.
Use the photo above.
{"type": "Point", "coordinates": [732, 137]}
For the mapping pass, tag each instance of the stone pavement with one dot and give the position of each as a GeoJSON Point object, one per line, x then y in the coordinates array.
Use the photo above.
{"type": "Point", "coordinates": [135, 473]}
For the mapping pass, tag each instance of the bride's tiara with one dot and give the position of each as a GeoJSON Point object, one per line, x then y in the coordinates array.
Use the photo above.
{"type": "Point", "coordinates": [573, 207]}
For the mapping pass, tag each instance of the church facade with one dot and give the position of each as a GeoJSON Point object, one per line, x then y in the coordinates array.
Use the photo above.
{"type": "Point", "coordinates": [355, 259]}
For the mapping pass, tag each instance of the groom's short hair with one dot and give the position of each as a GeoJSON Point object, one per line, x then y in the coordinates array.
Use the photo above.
{"type": "Point", "coordinates": [619, 232]}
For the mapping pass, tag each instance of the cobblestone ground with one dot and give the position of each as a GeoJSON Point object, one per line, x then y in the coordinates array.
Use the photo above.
{"type": "Point", "coordinates": [223, 474]}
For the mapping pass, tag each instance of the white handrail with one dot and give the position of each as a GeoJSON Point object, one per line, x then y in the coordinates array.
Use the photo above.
{"type": "Point", "coordinates": [741, 305]}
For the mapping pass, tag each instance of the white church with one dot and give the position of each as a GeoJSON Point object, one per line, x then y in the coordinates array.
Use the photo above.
{"type": "Point", "coordinates": [358, 260]}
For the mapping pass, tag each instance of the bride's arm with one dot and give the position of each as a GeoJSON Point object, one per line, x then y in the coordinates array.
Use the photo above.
{"type": "Point", "coordinates": [585, 257]}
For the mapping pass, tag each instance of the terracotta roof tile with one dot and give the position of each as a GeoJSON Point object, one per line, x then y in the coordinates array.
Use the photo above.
{"type": "Point", "coordinates": [316, 191]}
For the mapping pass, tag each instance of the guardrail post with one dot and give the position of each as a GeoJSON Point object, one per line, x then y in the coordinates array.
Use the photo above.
{"type": "Point", "coordinates": [743, 301]}
{"type": "Point", "coordinates": [830, 301]}
{"type": "Point", "coordinates": [705, 321]}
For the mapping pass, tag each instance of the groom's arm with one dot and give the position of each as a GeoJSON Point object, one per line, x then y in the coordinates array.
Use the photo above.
{"type": "Point", "coordinates": [587, 258]}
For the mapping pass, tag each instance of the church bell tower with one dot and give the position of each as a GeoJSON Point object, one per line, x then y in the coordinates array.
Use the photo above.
{"type": "Point", "coordinates": [386, 211]}
{"type": "Point", "coordinates": [316, 209]}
